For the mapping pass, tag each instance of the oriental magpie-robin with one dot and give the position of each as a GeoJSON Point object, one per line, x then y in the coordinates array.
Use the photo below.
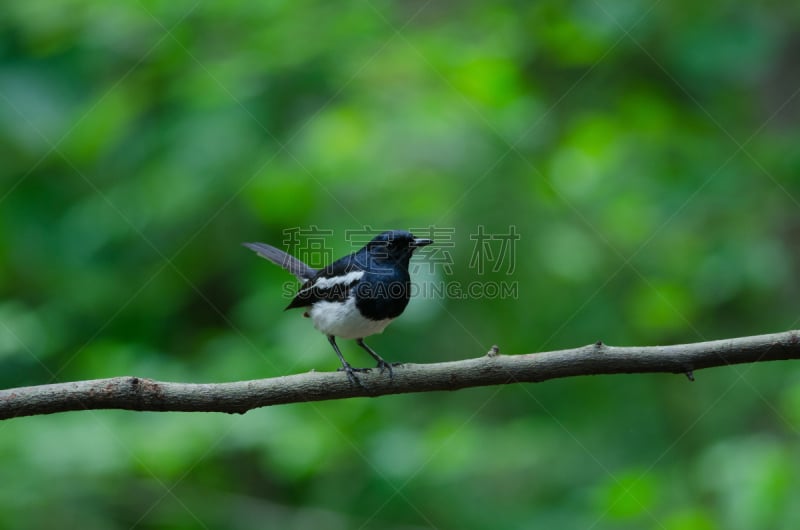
{"type": "Point", "coordinates": [357, 295]}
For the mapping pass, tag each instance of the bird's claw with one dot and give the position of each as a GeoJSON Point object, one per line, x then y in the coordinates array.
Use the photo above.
{"type": "Point", "coordinates": [351, 374]}
{"type": "Point", "coordinates": [384, 366]}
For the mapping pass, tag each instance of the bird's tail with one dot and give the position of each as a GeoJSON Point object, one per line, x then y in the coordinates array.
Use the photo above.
{"type": "Point", "coordinates": [302, 271]}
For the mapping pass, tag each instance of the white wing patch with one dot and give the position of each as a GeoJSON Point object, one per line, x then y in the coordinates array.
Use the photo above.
{"type": "Point", "coordinates": [327, 283]}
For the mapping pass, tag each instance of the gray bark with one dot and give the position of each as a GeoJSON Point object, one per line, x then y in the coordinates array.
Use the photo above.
{"type": "Point", "coordinates": [137, 393]}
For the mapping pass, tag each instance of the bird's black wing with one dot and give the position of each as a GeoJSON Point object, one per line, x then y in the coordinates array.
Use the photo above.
{"type": "Point", "coordinates": [302, 271]}
{"type": "Point", "coordinates": [331, 284]}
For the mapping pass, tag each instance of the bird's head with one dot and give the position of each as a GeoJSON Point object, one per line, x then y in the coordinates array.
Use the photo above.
{"type": "Point", "coordinates": [395, 246]}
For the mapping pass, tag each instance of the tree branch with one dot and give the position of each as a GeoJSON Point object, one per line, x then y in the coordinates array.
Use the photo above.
{"type": "Point", "coordinates": [136, 393]}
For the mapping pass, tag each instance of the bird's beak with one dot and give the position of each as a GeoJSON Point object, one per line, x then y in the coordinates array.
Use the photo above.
{"type": "Point", "coordinates": [419, 242]}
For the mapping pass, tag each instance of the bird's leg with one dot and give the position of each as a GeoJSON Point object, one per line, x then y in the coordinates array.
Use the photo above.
{"type": "Point", "coordinates": [382, 365]}
{"type": "Point", "coordinates": [351, 376]}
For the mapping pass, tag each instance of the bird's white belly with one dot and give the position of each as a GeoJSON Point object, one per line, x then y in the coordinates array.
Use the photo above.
{"type": "Point", "coordinates": [343, 320]}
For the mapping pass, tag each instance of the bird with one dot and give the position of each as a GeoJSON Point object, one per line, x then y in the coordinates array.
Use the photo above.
{"type": "Point", "coordinates": [357, 295]}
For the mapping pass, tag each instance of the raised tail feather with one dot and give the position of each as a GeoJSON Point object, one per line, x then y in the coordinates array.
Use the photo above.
{"type": "Point", "coordinates": [302, 271]}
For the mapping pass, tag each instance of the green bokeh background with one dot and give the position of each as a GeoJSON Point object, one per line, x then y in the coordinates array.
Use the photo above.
{"type": "Point", "coordinates": [646, 152]}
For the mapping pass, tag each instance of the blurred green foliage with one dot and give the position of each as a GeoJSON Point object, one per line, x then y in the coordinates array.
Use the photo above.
{"type": "Point", "coordinates": [645, 151]}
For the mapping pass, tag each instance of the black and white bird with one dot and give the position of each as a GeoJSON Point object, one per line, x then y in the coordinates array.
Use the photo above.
{"type": "Point", "coordinates": [357, 295]}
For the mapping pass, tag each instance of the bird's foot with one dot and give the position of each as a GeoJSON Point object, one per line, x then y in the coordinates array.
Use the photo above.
{"type": "Point", "coordinates": [357, 370]}
{"type": "Point", "coordinates": [351, 374]}
{"type": "Point", "coordinates": [383, 366]}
